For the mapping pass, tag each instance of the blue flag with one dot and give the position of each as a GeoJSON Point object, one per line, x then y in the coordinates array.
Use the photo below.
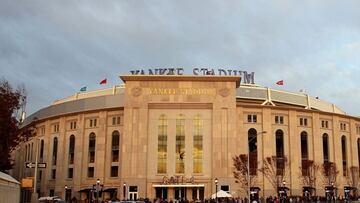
{"type": "Point", "coordinates": [83, 89]}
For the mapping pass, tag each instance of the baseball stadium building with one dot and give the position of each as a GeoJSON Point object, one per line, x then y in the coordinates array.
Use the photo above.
{"type": "Point", "coordinates": [171, 136]}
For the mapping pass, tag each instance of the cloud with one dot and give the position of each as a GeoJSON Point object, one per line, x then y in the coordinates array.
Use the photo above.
{"type": "Point", "coordinates": [55, 48]}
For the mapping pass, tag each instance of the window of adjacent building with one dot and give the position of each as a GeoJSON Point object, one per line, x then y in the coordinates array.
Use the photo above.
{"type": "Point", "coordinates": [53, 174]}
{"type": "Point", "coordinates": [55, 146]}
{"type": "Point", "coordinates": [304, 153]}
{"type": "Point", "coordinates": [92, 122]}
{"type": "Point", "coordinates": [70, 173]}
{"type": "Point", "coordinates": [180, 144]}
{"type": "Point", "coordinates": [303, 121]}
{"type": "Point", "coordinates": [71, 149]}
{"type": "Point", "coordinates": [324, 124]}
{"type": "Point", "coordinates": [280, 161]}
{"type": "Point", "coordinates": [198, 144]}
{"type": "Point", "coordinates": [252, 118]}
{"type": "Point", "coordinates": [90, 172]}
{"type": "Point", "coordinates": [342, 126]}
{"type": "Point", "coordinates": [344, 156]}
{"type": "Point", "coordinates": [72, 125]}
{"type": "Point", "coordinates": [115, 143]}
{"type": "Point", "coordinates": [252, 144]}
{"type": "Point", "coordinates": [279, 119]}
{"type": "Point", "coordinates": [325, 142]}
{"type": "Point", "coordinates": [116, 120]}
{"type": "Point", "coordinates": [56, 128]}
{"type": "Point", "coordinates": [162, 144]}
{"type": "Point", "coordinates": [41, 150]}
{"type": "Point", "coordinates": [42, 130]}
{"type": "Point", "coordinates": [92, 143]}
{"type": "Point", "coordinates": [114, 171]}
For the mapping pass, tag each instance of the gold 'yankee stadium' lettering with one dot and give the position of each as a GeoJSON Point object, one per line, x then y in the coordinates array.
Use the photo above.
{"type": "Point", "coordinates": [181, 91]}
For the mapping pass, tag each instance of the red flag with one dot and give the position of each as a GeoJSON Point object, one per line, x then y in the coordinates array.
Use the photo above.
{"type": "Point", "coordinates": [280, 82]}
{"type": "Point", "coordinates": [103, 82]}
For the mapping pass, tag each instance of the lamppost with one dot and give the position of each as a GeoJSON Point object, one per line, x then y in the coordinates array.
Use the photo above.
{"type": "Point", "coordinates": [66, 187]}
{"type": "Point", "coordinates": [248, 162]}
{"type": "Point", "coordinates": [284, 190]}
{"type": "Point", "coordinates": [334, 191]}
{"type": "Point", "coordinates": [124, 190]}
{"type": "Point", "coordinates": [34, 196]}
{"type": "Point", "coordinates": [216, 188]}
{"type": "Point", "coordinates": [97, 189]}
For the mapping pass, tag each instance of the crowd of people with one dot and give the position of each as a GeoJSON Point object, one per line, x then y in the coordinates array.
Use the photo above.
{"type": "Point", "coordinates": [269, 199]}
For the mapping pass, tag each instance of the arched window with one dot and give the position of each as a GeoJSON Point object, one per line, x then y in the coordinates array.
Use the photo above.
{"type": "Point", "coordinates": [92, 143]}
{"type": "Point", "coordinates": [344, 156]}
{"type": "Point", "coordinates": [71, 149]}
{"type": "Point", "coordinates": [280, 161]}
{"type": "Point", "coordinates": [41, 150]}
{"type": "Point", "coordinates": [198, 144]}
{"type": "Point", "coordinates": [180, 144]}
{"type": "Point", "coordinates": [325, 138]}
{"type": "Point", "coordinates": [55, 146]}
{"type": "Point", "coordinates": [115, 143]}
{"type": "Point", "coordinates": [304, 153]}
{"type": "Point", "coordinates": [252, 142]}
{"type": "Point", "coordinates": [162, 143]}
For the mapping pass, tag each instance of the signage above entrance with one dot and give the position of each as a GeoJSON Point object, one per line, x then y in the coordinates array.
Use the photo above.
{"type": "Point", "coordinates": [177, 180]}
{"type": "Point", "coordinates": [247, 78]}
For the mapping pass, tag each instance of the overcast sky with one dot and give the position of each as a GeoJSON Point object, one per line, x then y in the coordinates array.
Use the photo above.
{"type": "Point", "coordinates": [56, 47]}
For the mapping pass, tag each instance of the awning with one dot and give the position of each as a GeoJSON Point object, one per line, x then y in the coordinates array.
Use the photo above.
{"type": "Point", "coordinates": [255, 189]}
{"type": "Point", "coordinates": [85, 190]}
{"type": "Point", "coordinates": [308, 188]}
{"type": "Point", "coordinates": [110, 190]}
{"type": "Point", "coordinates": [179, 185]}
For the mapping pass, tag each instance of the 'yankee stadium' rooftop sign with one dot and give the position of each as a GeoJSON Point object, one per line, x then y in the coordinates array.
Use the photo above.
{"type": "Point", "coordinates": [247, 78]}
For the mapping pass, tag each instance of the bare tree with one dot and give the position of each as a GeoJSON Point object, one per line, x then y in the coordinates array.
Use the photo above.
{"type": "Point", "coordinates": [309, 173]}
{"type": "Point", "coordinates": [275, 169]}
{"type": "Point", "coordinates": [11, 102]}
{"type": "Point", "coordinates": [329, 173]}
{"type": "Point", "coordinates": [352, 178]}
{"type": "Point", "coordinates": [240, 172]}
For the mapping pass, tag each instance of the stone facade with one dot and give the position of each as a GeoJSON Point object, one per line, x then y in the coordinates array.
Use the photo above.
{"type": "Point", "coordinates": [226, 124]}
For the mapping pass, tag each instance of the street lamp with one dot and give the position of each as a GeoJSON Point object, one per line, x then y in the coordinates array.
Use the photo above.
{"type": "Point", "coordinates": [216, 188]}
{"type": "Point", "coordinates": [248, 161]}
{"type": "Point", "coordinates": [124, 190]}
{"type": "Point", "coordinates": [66, 187]}
{"type": "Point", "coordinates": [97, 189]}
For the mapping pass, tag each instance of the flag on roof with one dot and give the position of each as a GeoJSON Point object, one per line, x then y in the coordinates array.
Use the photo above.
{"type": "Point", "coordinates": [280, 82]}
{"type": "Point", "coordinates": [103, 82]}
{"type": "Point", "coordinates": [83, 89]}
